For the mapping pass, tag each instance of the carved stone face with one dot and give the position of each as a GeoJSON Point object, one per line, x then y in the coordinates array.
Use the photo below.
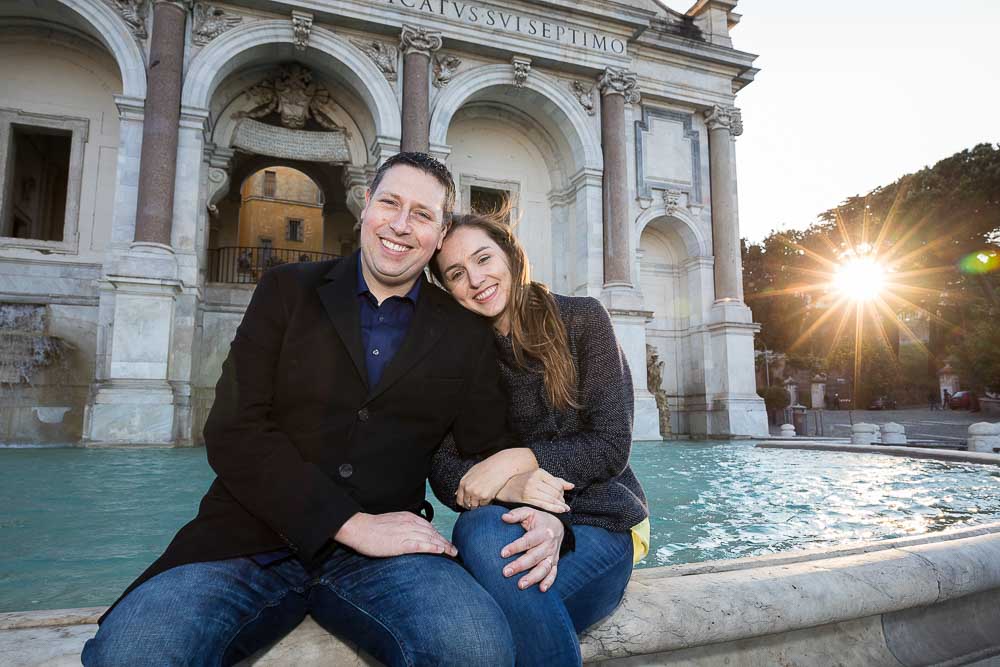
{"type": "Point", "coordinates": [293, 105]}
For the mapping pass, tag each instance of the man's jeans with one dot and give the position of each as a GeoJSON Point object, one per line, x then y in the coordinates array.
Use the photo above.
{"type": "Point", "coordinates": [408, 610]}
{"type": "Point", "coordinates": [589, 585]}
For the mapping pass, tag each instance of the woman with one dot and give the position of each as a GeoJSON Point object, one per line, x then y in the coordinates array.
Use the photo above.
{"type": "Point", "coordinates": [571, 406]}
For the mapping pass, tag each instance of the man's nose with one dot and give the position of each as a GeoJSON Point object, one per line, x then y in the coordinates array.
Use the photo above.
{"type": "Point", "coordinates": [400, 223]}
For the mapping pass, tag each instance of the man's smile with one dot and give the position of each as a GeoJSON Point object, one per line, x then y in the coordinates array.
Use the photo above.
{"type": "Point", "coordinates": [394, 247]}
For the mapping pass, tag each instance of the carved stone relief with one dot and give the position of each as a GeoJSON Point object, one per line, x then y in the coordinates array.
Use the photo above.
{"type": "Point", "coordinates": [445, 69]}
{"type": "Point", "coordinates": [522, 66]}
{"type": "Point", "coordinates": [211, 21]}
{"type": "Point", "coordinates": [295, 97]}
{"type": "Point", "coordinates": [134, 13]}
{"type": "Point", "coordinates": [385, 56]}
{"type": "Point", "coordinates": [302, 27]}
{"type": "Point", "coordinates": [584, 94]}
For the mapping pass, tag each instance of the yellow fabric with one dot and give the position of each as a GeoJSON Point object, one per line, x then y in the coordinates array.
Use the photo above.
{"type": "Point", "coordinates": [640, 541]}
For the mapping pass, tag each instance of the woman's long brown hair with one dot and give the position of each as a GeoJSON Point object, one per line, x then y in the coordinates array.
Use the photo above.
{"type": "Point", "coordinates": [536, 330]}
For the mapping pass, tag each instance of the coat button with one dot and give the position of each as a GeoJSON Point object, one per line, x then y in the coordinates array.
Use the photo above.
{"type": "Point", "coordinates": [346, 470]}
{"type": "Point", "coordinates": [363, 414]}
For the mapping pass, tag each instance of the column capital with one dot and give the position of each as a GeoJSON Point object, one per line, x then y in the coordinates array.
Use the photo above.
{"type": "Point", "coordinates": [419, 40]}
{"type": "Point", "coordinates": [725, 118]}
{"type": "Point", "coordinates": [616, 81]}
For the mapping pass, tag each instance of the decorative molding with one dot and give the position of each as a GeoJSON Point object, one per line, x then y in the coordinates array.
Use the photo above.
{"type": "Point", "coordinates": [671, 201]}
{"type": "Point", "coordinates": [522, 66]}
{"type": "Point", "coordinates": [295, 97]}
{"type": "Point", "coordinates": [210, 21]}
{"type": "Point", "coordinates": [385, 56]}
{"type": "Point", "coordinates": [302, 23]}
{"type": "Point", "coordinates": [584, 94]}
{"type": "Point", "coordinates": [644, 185]}
{"type": "Point", "coordinates": [725, 118]}
{"type": "Point", "coordinates": [419, 40]}
{"type": "Point", "coordinates": [134, 13]}
{"type": "Point", "coordinates": [616, 81]}
{"type": "Point", "coordinates": [445, 69]}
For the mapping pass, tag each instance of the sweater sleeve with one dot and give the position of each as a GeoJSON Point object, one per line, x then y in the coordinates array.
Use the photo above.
{"type": "Point", "coordinates": [599, 451]}
{"type": "Point", "coordinates": [448, 467]}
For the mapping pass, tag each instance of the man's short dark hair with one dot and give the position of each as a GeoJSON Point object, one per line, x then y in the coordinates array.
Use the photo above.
{"type": "Point", "coordinates": [426, 164]}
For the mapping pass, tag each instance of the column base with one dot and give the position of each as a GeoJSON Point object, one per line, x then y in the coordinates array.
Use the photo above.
{"type": "Point", "coordinates": [729, 311]}
{"type": "Point", "coordinates": [130, 413]}
{"type": "Point", "coordinates": [729, 417]}
{"type": "Point", "coordinates": [153, 261]}
{"type": "Point", "coordinates": [646, 418]}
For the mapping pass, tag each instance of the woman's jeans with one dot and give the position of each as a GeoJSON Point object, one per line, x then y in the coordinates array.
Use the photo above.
{"type": "Point", "coordinates": [407, 610]}
{"type": "Point", "coordinates": [589, 585]}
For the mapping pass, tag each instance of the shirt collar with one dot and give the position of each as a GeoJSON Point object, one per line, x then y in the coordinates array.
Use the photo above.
{"type": "Point", "coordinates": [363, 285]}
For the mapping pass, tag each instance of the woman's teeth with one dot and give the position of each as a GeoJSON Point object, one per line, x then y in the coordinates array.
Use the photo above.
{"type": "Point", "coordinates": [486, 293]}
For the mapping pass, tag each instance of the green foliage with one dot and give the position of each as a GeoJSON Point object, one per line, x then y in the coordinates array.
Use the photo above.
{"type": "Point", "coordinates": [812, 363]}
{"type": "Point", "coordinates": [977, 353]}
{"type": "Point", "coordinates": [925, 224]}
{"type": "Point", "coordinates": [775, 398]}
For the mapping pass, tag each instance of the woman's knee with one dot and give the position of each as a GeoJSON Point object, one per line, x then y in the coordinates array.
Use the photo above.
{"type": "Point", "coordinates": [481, 533]}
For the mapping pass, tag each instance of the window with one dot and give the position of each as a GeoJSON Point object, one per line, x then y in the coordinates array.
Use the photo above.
{"type": "Point", "coordinates": [488, 200]}
{"type": "Point", "coordinates": [486, 195]}
{"type": "Point", "coordinates": [270, 184]}
{"type": "Point", "coordinates": [41, 169]}
{"type": "Point", "coordinates": [295, 230]}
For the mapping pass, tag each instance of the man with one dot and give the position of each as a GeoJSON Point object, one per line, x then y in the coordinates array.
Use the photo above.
{"type": "Point", "coordinates": [341, 381]}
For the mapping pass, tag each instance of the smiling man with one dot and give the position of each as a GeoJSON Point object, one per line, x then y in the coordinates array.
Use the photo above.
{"type": "Point", "coordinates": [343, 378]}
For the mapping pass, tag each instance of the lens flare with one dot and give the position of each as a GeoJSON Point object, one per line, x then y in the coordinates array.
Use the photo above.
{"type": "Point", "coordinates": [977, 263]}
{"type": "Point", "coordinates": [860, 278]}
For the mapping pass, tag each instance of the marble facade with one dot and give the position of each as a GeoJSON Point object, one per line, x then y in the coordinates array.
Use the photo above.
{"type": "Point", "coordinates": [613, 124]}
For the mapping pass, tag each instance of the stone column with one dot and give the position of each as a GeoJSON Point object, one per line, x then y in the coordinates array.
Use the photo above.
{"type": "Point", "coordinates": [618, 88]}
{"type": "Point", "coordinates": [157, 167]}
{"type": "Point", "coordinates": [417, 45]}
{"type": "Point", "coordinates": [725, 123]}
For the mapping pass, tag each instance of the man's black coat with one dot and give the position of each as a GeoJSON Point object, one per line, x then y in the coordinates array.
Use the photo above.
{"type": "Point", "coordinates": [300, 442]}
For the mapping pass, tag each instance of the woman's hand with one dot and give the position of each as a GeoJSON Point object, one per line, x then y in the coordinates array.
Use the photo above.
{"type": "Point", "coordinates": [540, 543]}
{"type": "Point", "coordinates": [537, 488]}
{"type": "Point", "coordinates": [484, 480]}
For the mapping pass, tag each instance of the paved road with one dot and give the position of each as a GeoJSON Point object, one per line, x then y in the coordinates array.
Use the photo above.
{"type": "Point", "coordinates": [920, 423]}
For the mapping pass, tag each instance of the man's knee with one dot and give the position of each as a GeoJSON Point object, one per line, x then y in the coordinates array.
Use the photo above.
{"type": "Point", "coordinates": [483, 638]}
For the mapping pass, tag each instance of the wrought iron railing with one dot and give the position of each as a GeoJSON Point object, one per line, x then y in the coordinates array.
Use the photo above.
{"type": "Point", "coordinates": [246, 264]}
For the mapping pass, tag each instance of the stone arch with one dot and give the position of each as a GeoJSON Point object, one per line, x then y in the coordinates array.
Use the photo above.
{"type": "Point", "coordinates": [679, 222]}
{"type": "Point", "coordinates": [236, 49]}
{"type": "Point", "coordinates": [114, 34]}
{"type": "Point", "coordinates": [581, 137]}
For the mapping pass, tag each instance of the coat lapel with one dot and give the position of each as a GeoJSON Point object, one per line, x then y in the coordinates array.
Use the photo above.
{"type": "Point", "coordinates": [425, 330]}
{"type": "Point", "coordinates": [339, 298]}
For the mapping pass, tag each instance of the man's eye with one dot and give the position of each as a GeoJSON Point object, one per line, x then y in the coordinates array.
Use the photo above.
{"type": "Point", "coordinates": [424, 214]}
{"type": "Point", "coordinates": [390, 202]}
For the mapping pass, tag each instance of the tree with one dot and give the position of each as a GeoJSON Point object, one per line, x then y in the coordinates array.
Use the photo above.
{"type": "Point", "coordinates": [977, 354]}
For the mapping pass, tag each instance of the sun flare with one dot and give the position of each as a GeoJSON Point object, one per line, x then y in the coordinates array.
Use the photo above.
{"type": "Point", "coordinates": [860, 278]}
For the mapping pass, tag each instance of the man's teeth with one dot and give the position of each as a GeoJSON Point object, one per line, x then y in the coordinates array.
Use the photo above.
{"type": "Point", "coordinates": [486, 293]}
{"type": "Point", "coordinates": [394, 246]}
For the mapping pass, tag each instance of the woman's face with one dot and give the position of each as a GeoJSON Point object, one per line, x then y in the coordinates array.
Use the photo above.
{"type": "Point", "coordinates": [476, 271]}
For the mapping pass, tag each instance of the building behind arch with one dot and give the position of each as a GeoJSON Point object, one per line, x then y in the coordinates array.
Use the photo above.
{"type": "Point", "coordinates": [139, 205]}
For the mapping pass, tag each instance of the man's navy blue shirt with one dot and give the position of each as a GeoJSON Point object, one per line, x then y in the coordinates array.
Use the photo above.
{"type": "Point", "coordinates": [383, 326]}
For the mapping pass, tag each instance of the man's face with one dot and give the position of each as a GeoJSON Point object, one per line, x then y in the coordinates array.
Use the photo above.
{"type": "Point", "coordinates": [401, 227]}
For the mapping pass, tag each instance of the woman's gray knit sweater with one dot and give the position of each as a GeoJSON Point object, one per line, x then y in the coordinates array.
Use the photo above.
{"type": "Point", "coordinates": [588, 446]}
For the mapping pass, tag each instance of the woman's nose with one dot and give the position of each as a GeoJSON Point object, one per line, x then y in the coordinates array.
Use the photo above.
{"type": "Point", "coordinates": [476, 278]}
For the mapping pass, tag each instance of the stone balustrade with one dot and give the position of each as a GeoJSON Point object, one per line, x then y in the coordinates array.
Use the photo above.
{"type": "Point", "coordinates": [787, 431]}
{"type": "Point", "coordinates": [864, 434]}
{"type": "Point", "coordinates": [893, 434]}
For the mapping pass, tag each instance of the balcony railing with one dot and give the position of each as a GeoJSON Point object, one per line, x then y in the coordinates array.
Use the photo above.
{"type": "Point", "coordinates": [246, 264]}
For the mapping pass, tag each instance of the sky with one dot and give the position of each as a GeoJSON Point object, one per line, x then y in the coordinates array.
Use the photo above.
{"type": "Point", "coordinates": [853, 94]}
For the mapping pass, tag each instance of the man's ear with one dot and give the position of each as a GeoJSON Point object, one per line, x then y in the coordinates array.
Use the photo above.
{"type": "Point", "coordinates": [444, 232]}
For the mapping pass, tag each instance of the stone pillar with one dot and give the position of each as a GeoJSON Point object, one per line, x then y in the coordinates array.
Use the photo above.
{"type": "Point", "coordinates": [618, 88]}
{"type": "Point", "coordinates": [146, 312]}
{"type": "Point", "coordinates": [984, 437]}
{"type": "Point", "coordinates": [863, 433]}
{"type": "Point", "coordinates": [160, 127]}
{"type": "Point", "coordinates": [417, 45]}
{"type": "Point", "coordinates": [893, 434]}
{"type": "Point", "coordinates": [725, 123]}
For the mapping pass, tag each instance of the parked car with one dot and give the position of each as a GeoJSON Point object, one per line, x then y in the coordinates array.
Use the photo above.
{"type": "Point", "coordinates": [964, 400]}
{"type": "Point", "coordinates": [883, 403]}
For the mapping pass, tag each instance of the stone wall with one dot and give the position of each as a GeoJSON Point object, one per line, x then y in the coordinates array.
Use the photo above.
{"type": "Point", "coordinates": [928, 599]}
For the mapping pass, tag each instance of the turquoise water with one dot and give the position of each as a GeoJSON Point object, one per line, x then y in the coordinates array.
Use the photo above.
{"type": "Point", "coordinates": [77, 525]}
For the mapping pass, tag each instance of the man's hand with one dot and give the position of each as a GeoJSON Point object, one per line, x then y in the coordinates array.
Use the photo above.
{"type": "Point", "coordinates": [538, 488]}
{"type": "Point", "coordinates": [484, 480]}
{"type": "Point", "coordinates": [392, 534]}
{"type": "Point", "coordinates": [540, 543]}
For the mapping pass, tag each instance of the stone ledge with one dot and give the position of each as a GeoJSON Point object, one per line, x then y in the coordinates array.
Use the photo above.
{"type": "Point", "coordinates": [889, 450]}
{"type": "Point", "coordinates": [747, 611]}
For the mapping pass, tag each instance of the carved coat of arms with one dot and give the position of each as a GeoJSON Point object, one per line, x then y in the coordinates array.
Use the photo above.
{"type": "Point", "coordinates": [295, 97]}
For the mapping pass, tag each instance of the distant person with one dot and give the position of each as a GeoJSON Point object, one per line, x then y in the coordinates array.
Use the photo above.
{"type": "Point", "coordinates": [945, 399]}
{"type": "Point", "coordinates": [932, 401]}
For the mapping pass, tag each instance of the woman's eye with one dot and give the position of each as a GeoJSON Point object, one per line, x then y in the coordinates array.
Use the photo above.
{"type": "Point", "coordinates": [484, 259]}
{"type": "Point", "coordinates": [455, 276]}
